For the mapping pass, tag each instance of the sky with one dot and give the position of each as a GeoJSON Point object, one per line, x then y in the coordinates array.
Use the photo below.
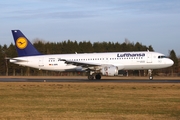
{"type": "Point", "coordinates": [149, 22]}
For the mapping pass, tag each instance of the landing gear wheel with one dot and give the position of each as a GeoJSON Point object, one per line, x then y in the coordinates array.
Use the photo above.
{"type": "Point", "coordinates": [98, 77]}
{"type": "Point", "coordinates": [150, 74]}
{"type": "Point", "coordinates": [150, 77]}
{"type": "Point", "coordinates": [90, 77]}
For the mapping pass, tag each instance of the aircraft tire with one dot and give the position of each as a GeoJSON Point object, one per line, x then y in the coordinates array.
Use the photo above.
{"type": "Point", "coordinates": [98, 77]}
{"type": "Point", "coordinates": [150, 77]}
{"type": "Point", "coordinates": [90, 77]}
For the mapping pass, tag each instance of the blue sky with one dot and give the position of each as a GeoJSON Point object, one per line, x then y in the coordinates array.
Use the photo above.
{"type": "Point", "coordinates": [150, 22]}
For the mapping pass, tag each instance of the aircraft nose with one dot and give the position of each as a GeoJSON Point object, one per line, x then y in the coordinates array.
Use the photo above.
{"type": "Point", "coordinates": [170, 62]}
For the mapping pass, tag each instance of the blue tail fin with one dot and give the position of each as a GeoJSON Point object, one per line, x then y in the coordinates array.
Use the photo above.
{"type": "Point", "coordinates": [23, 45]}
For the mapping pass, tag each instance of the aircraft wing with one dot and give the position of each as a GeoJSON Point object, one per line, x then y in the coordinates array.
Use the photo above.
{"type": "Point", "coordinates": [82, 64]}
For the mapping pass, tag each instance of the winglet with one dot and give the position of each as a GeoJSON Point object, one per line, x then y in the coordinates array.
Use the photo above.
{"type": "Point", "coordinates": [23, 45]}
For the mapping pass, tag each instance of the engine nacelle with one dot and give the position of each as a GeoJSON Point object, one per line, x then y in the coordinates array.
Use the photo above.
{"type": "Point", "coordinates": [109, 70]}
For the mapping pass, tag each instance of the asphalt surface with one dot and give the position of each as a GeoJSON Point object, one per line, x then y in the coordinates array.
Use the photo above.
{"type": "Point", "coordinates": [83, 79]}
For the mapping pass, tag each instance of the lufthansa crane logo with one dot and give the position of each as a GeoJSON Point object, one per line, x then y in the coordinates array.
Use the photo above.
{"type": "Point", "coordinates": [21, 42]}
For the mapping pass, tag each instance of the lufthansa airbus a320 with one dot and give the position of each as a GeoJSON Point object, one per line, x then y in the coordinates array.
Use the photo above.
{"type": "Point", "coordinates": [96, 64]}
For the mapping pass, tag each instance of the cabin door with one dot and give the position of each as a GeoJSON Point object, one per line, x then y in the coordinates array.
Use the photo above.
{"type": "Point", "coordinates": [149, 57]}
{"type": "Point", "coordinates": [41, 63]}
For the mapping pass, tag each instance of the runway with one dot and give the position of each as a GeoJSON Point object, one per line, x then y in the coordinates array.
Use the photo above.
{"type": "Point", "coordinates": [85, 80]}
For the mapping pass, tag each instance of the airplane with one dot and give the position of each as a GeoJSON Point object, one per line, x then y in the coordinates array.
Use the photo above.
{"type": "Point", "coordinates": [96, 64]}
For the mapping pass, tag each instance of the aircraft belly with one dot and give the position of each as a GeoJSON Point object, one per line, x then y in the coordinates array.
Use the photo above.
{"type": "Point", "coordinates": [143, 66]}
{"type": "Point", "coordinates": [58, 67]}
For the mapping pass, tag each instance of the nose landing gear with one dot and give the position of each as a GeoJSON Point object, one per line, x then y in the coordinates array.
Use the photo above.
{"type": "Point", "coordinates": [150, 74]}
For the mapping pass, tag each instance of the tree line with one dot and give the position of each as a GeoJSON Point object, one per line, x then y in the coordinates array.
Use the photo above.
{"type": "Point", "coordinates": [69, 46]}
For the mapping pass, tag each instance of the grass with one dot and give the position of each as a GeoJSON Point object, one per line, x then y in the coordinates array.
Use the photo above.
{"type": "Point", "coordinates": [79, 101]}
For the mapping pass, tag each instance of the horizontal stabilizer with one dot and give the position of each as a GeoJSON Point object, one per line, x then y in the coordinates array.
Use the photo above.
{"type": "Point", "coordinates": [14, 60]}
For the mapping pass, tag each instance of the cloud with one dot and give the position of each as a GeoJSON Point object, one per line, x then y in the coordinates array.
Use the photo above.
{"type": "Point", "coordinates": [138, 20]}
{"type": "Point", "coordinates": [70, 9]}
{"type": "Point", "coordinates": [29, 14]}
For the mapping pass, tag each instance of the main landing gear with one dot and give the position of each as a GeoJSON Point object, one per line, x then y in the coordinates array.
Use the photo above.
{"type": "Point", "coordinates": [94, 76]}
{"type": "Point", "coordinates": [150, 74]}
{"type": "Point", "coordinates": [97, 76]}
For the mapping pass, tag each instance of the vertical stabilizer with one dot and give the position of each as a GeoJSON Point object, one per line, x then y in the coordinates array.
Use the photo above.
{"type": "Point", "coordinates": [23, 45]}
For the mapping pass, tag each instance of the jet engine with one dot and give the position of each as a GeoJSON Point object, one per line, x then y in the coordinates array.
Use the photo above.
{"type": "Point", "coordinates": [109, 70]}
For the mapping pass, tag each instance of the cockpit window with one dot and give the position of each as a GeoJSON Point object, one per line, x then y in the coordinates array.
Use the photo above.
{"type": "Point", "coordinates": [162, 57]}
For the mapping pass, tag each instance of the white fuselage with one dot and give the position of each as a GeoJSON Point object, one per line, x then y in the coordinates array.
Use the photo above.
{"type": "Point", "coordinates": [123, 60]}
